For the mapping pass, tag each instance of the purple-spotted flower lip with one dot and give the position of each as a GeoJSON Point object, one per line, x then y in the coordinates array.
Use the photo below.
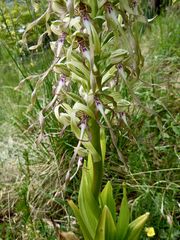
{"type": "Point", "coordinates": [83, 122]}
{"type": "Point", "coordinates": [86, 21]}
{"type": "Point", "coordinates": [98, 104]}
{"type": "Point", "coordinates": [109, 8]}
{"type": "Point", "coordinates": [119, 66]}
{"type": "Point", "coordinates": [97, 101]}
{"type": "Point", "coordinates": [121, 114]}
{"type": "Point", "coordinates": [63, 78]}
{"type": "Point", "coordinates": [135, 2]}
{"type": "Point", "coordinates": [62, 37]}
{"type": "Point", "coordinates": [84, 49]}
{"type": "Point", "coordinates": [59, 44]}
{"type": "Point", "coordinates": [82, 46]}
{"type": "Point", "coordinates": [85, 17]}
{"type": "Point", "coordinates": [60, 84]}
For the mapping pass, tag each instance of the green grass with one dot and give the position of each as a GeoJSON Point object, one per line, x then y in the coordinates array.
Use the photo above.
{"type": "Point", "coordinates": [151, 146]}
{"type": "Point", "coordinates": [156, 161]}
{"type": "Point", "coordinates": [152, 141]}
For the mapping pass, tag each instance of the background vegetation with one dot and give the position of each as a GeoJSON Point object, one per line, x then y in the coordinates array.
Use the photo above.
{"type": "Point", "coordinates": [31, 176]}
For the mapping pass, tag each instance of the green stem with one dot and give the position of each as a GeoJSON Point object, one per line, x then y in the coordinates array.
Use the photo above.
{"type": "Point", "coordinates": [97, 178]}
{"type": "Point", "coordinates": [97, 165]}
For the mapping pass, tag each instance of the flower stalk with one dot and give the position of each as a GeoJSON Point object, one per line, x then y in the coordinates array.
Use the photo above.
{"type": "Point", "coordinates": [96, 49]}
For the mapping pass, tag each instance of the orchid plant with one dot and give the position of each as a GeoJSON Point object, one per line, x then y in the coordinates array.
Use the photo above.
{"type": "Point", "coordinates": [96, 56]}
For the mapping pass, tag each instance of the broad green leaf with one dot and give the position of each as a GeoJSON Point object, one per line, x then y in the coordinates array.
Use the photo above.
{"type": "Point", "coordinates": [135, 227]}
{"type": "Point", "coordinates": [90, 167]}
{"type": "Point", "coordinates": [106, 199]}
{"type": "Point", "coordinates": [83, 227]}
{"type": "Point", "coordinates": [88, 206]}
{"type": "Point", "coordinates": [123, 219]}
{"type": "Point", "coordinates": [106, 229]}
